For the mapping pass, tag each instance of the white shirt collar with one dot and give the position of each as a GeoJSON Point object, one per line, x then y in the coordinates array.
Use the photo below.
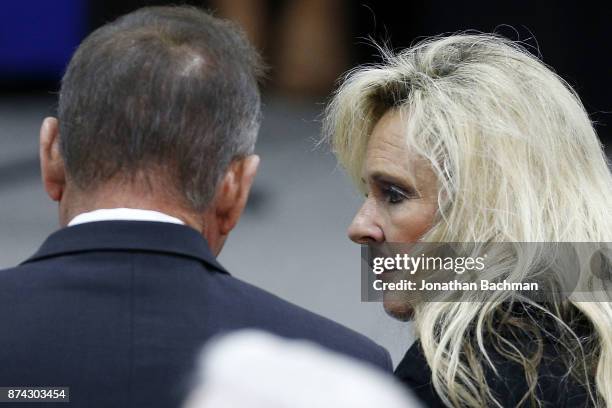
{"type": "Point", "coordinates": [123, 214]}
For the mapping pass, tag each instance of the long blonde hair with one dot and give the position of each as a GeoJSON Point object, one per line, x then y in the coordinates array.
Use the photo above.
{"type": "Point", "coordinates": [517, 160]}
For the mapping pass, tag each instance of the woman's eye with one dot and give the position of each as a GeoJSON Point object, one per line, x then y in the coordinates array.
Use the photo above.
{"type": "Point", "coordinates": [395, 195]}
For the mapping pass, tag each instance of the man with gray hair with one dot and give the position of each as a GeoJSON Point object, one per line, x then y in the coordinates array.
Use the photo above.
{"type": "Point", "coordinates": [151, 161]}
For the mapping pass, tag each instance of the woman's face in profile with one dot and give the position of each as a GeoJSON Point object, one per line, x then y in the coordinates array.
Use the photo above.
{"type": "Point", "coordinates": [401, 197]}
{"type": "Point", "coordinates": [401, 188]}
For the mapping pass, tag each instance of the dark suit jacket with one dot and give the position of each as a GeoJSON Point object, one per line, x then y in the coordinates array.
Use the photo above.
{"type": "Point", "coordinates": [118, 311]}
{"type": "Point", "coordinates": [555, 388]}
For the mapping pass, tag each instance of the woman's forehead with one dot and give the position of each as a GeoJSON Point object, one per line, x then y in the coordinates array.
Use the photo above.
{"type": "Point", "coordinates": [390, 156]}
{"type": "Point", "coordinates": [388, 145]}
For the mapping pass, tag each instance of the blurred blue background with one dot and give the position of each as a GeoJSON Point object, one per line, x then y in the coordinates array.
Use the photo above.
{"type": "Point", "coordinates": [37, 38]}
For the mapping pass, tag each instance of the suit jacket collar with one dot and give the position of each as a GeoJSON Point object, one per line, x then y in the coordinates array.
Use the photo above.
{"type": "Point", "coordinates": [145, 236]}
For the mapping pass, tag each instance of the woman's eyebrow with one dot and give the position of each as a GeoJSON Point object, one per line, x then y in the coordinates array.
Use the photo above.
{"type": "Point", "coordinates": [381, 177]}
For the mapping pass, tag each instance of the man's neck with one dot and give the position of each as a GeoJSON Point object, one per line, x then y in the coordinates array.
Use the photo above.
{"type": "Point", "coordinates": [74, 203]}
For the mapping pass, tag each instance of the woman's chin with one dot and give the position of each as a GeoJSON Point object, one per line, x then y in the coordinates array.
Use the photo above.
{"type": "Point", "coordinates": [400, 310]}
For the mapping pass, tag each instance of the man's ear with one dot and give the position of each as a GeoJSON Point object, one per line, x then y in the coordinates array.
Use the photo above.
{"type": "Point", "coordinates": [51, 161]}
{"type": "Point", "coordinates": [233, 192]}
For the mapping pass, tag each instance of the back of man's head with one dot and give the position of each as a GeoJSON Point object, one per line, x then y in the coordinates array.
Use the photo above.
{"type": "Point", "coordinates": [165, 93]}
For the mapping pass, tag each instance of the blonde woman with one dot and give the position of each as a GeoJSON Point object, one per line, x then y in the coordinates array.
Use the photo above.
{"type": "Point", "coordinates": [470, 138]}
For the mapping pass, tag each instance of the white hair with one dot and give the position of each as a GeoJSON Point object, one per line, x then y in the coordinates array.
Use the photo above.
{"type": "Point", "coordinates": [517, 160]}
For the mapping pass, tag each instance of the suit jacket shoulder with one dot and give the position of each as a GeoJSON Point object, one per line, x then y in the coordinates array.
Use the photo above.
{"type": "Point", "coordinates": [267, 310]}
{"type": "Point", "coordinates": [119, 311]}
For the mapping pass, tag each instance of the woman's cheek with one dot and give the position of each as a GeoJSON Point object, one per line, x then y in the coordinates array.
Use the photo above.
{"type": "Point", "coordinates": [409, 222]}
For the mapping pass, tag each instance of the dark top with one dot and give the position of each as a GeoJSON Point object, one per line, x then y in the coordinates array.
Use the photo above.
{"type": "Point", "coordinates": [555, 388]}
{"type": "Point", "coordinates": [118, 311]}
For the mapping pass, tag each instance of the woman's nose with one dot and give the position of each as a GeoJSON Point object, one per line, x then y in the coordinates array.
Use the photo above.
{"type": "Point", "coordinates": [365, 228]}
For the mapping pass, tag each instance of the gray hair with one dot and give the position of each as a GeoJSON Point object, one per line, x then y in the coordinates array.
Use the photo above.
{"type": "Point", "coordinates": [170, 91]}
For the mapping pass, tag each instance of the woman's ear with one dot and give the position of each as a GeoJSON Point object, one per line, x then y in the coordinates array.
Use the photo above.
{"type": "Point", "coordinates": [233, 192]}
{"type": "Point", "coordinates": [51, 161]}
